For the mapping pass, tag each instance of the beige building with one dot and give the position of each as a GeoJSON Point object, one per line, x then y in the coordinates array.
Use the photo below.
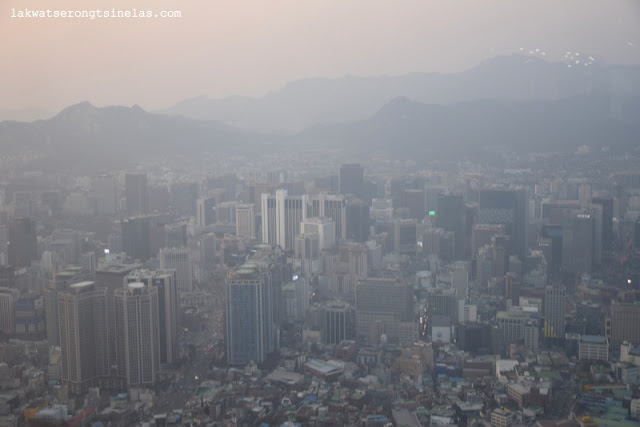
{"type": "Point", "coordinates": [83, 333]}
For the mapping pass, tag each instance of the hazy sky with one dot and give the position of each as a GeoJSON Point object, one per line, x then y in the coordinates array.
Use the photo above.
{"type": "Point", "coordinates": [250, 47]}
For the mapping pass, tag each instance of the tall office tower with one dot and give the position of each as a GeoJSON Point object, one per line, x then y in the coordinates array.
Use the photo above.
{"type": "Point", "coordinates": [332, 206]}
{"type": "Point", "coordinates": [443, 302]}
{"type": "Point", "coordinates": [532, 336]}
{"type": "Point", "coordinates": [269, 220]}
{"type": "Point", "coordinates": [481, 235]}
{"type": "Point", "coordinates": [245, 221]}
{"type": "Point", "coordinates": [508, 207]}
{"type": "Point", "coordinates": [431, 194]}
{"type": "Point", "coordinates": [405, 240]}
{"type": "Point", "coordinates": [180, 260]}
{"type": "Point", "coordinates": [415, 201]}
{"type": "Point", "coordinates": [451, 216]}
{"type": "Point", "coordinates": [184, 196]}
{"type": "Point", "coordinates": [289, 212]}
{"type": "Point", "coordinates": [325, 228]}
{"type": "Point", "coordinates": [512, 324]}
{"type": "Point", "coordinates": [381, 210]}
{"type": "Point", "coordinates": [208, 251]}
{"type": "Point", "coordinates": [511, 287]}
{"type": "Point", "coordinates": [622, 324]}
{"type": "Point", "coordinates": [554, 310]}
{"type": "Point", "coordinates": [357, 228]}
{"type": "Point", "coordinates": [137, 334]}
{"type": "Point", "coordinates": [277, 177]}
{"type": "Point", "coordinates": [255, 190]}
{"type": "Point", "coordinates": [111, 277]}
{"type": "Point", "coordinates": [176, 235]}
{"type": "Point", "coordinates": [578, 234]}
{"type": "Point", "coordinates": [4, 244]}
{"type": "Point", "coordinates": [226, 182]}
{"type": "Point", "coordinates": [460, 278]}
{"type": "Point", "coordinates": [137, 194]}
{"type": "Point", "coordinates": [168, 308]}
{"type": "Point", "coordinates": [556, 211]}
{"type": "Point", "coordinates": [307, 254]}
{"type": "Point", "coordinates": [104, 191]}
{"type": "Point", "coordinates": [607, 220]}
{"type": "Point", "coordinates": [351, 179]}
{"type": "Point", "coordinates": [249, 315]}
{"type": "Point", "coordinates": [593, 315]}
{"type": "Point", "coordinates": [584, 195]}
{"type": "Point", "coordinates": [84, 344]}
{"type": "Point", "coordinates": [337, 322]}
{"type": "Point", "coordinates": [159, 198]}
{"type": "Point", "coordinates": [70, 240]}
{"type": "Point", "coordinates": [226, 212]}
{"type": "Point", "coordinates": [206, 211]}
{"type": "Point", "coordinates": [7, 276]}
{"type": "Point", "coordinates": [59, 283]}
{"type": "Point", "coordinates": [8, 298]}
{"type": "Point", "coordinates": [23, 245]}
{"type": "Point", "coordinates": [501, 246]}
{"type": "Point", "coordinates": [136, 237]}
{"type": "Point", "coordinates": [295, 300]}
{"type": "Point", "coordinates": [382, 302]}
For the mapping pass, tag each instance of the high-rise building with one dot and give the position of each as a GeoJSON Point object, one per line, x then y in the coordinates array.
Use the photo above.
{"type": "Point", "coordinates": [554, 311]}
{"type": "Point", "coordinates": [136, 237]}
{"type": "Point", "coordinates": [111, 277]}
{"type": "Point", "coordinates": [578, 239]}
{"type": "Point", "coordinates": [208, 252]}
{"type": "Point", "coordinates": [405, 239]}
{"type": "Point", "coordinates": [383, 302]}
{"type": "Point", "coordinates": [206, 211]}
{"type": "Point", "coordinates": [137, 194]}
{"type": "Point", "coordinates": [622, 324]}
{"type": "Point", "coordinates": [443, 302]}
{"type": "Point", "coordinates": [451, 216]}
{"type": "Point", "coordinates": [23, 245]}
{"type": "Point", "coordinates": [607, 220]}
{"type": "Point", "coordinates": [415, 202]}
{"type": "Point", "coordinates": [137, 334]}
{"type": "Point", "coordinates": [104, 191]}
{"type": "Point", "coordinates": [508, 207]}
{"type": "Point", "coordinates": [357, 221]}
{"type": "Point", "coordinates": [324, 228]}
{"type": "Point", "coordinates": [512, 324]}
{"type": "Point", "coordinates": [351, 179]}
{"type": "Point", "coordinates": [255, 190]}
{"type": "Point", "coordinates": [84, 345]}
{"type": "Point", "coordinates": [8, 298]}
{"type": "Point", "coordinates": [249, 315]}
{"type": "Point", "coordinates": [59, 283]}
{"type": "Point", "coordinates": [180, 260]}
{"type": "Point", "coordinates": [184, 196]}
{"type": "Point", "coordinates": [168, 308]}
{"type": "Point", "coordinates": [332, 206]}
{"type": "Point", "coordinates": [337, 322]}
{"type": "Point", "coordinates": [381, 210]}
{"type": "Point", "coordinates": [4, 244]}
{"type": "Point", "coordinates": [281, 218]}
{"type": "Point", "coordinates": [245, 221]}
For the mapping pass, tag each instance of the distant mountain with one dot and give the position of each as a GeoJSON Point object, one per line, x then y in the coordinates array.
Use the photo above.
{"type": "Point", "coordinates": [309, 102]}
{"type": "Point", "coordinates": [83, 137]}
{"type": "Point", "coordinates": [408, 129]}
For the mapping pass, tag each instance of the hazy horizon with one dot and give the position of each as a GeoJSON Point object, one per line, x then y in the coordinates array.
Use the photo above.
{"type": "Point", "coordinates": [247, 48]}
